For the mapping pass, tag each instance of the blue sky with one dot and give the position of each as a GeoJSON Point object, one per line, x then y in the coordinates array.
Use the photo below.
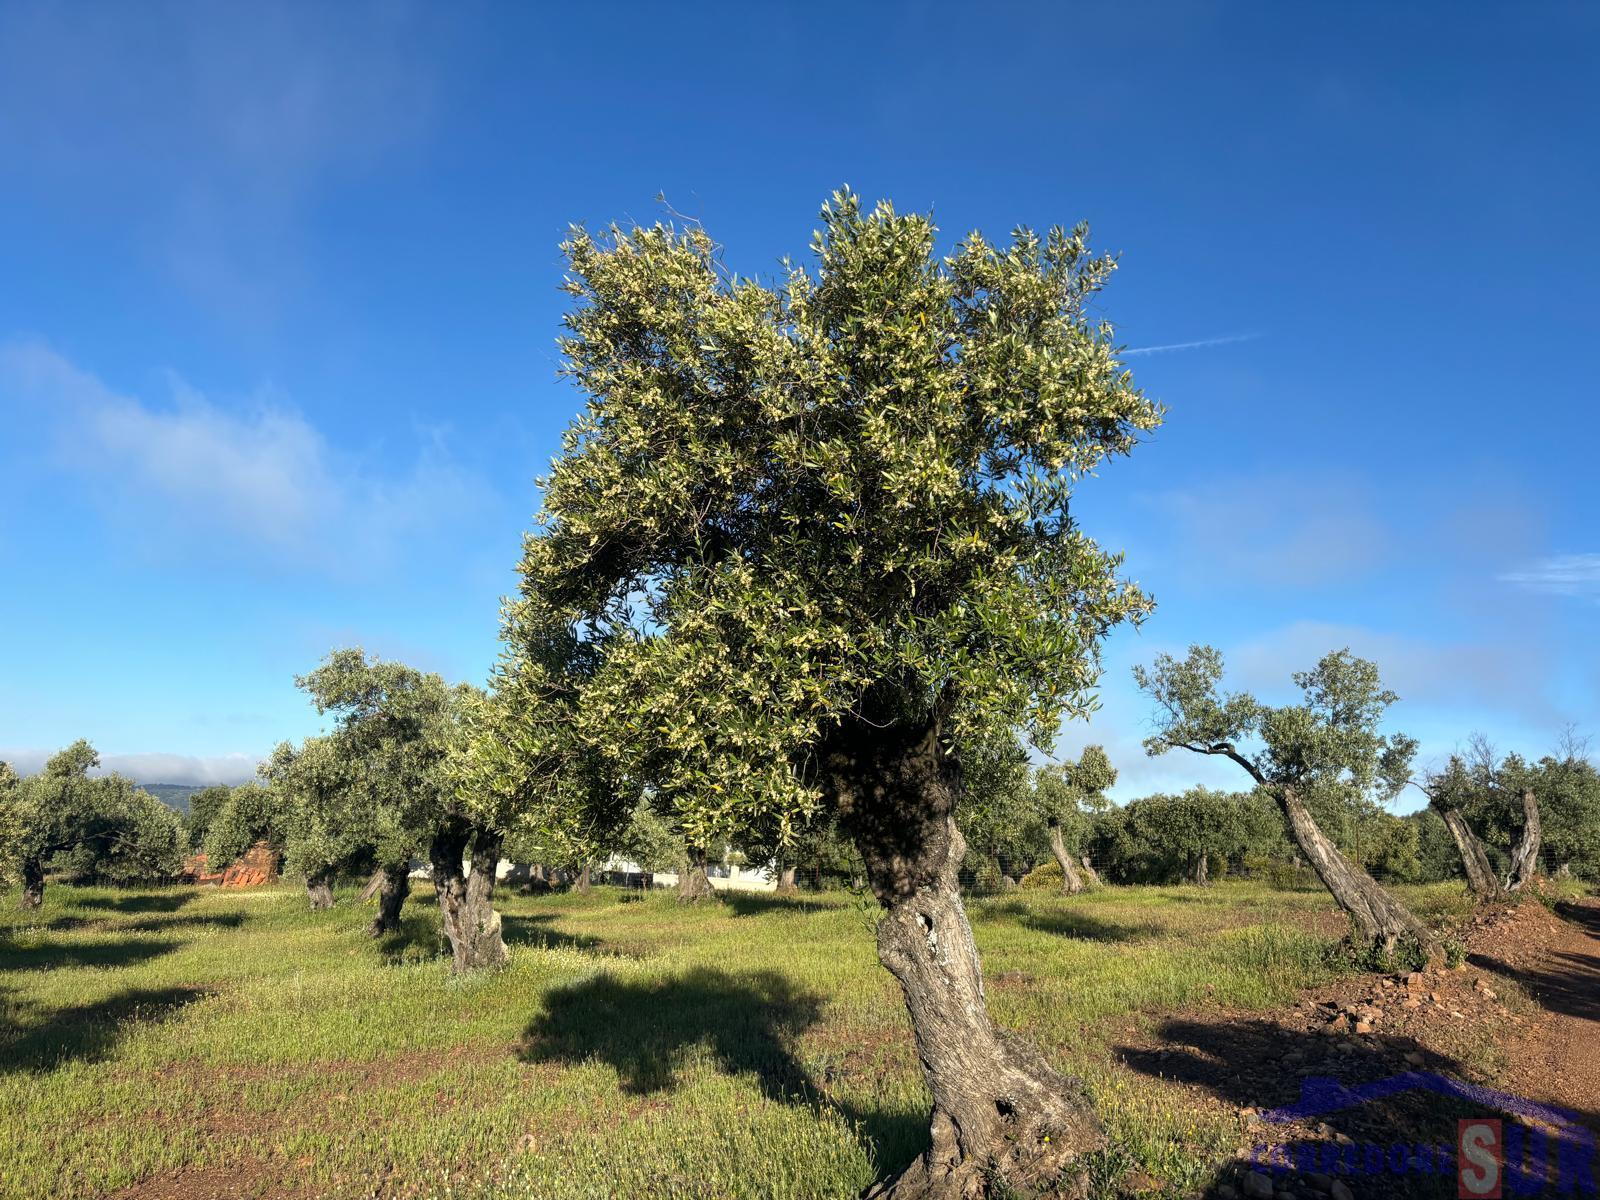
{"type": "Point", "coordinates": [278, 296]}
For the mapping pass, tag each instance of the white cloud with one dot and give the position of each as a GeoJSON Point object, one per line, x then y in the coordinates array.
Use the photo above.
{"type": "Point", "coordinates": [256, 481]}
{"type": "Point", "coordinates": [1559, 575]}
{"type": "Point", "coordinates": [201, 771]}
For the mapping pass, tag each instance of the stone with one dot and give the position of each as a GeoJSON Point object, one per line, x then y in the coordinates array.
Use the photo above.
{"type": "Point", "coordinates": [1341, 1191]}
{"type": "Point", "coordinates": [1319, 1181]}
{"type": "Point", "coordinates": [1257, 1186]}
{"type": "Point", "coordinates": [1411, 1002]}
{"type": "Point", "coordinates": [1226, 1191]}
{"type": "Point", "coordinates": [1414, 1057]}
{"type": "Point", "coordinates": [1415, 982]}
{"type": "Point", "coordinates": [1363, 1027]}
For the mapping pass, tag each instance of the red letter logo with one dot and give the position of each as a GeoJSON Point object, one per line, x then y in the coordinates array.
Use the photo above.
{"type": "Point", "coordinates": [1479, 1155]}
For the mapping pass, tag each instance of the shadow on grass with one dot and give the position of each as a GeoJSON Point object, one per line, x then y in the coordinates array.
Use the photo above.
{"type": "Point", "coordinates": [524, 929]}
{"type": "Point", "coordinates": [123, 952]}
{"type": "Point", "coordinates": [651, 1031]}
{"type": "Point", "coordinates": [1071, 922]}
{"type": "Point", "coordinates": [1253, 1062]}
{"type": "Point", "coordinates": [84, 1032]}
{"type": "Point", "coordinates": [757, 904]}
{"type": "Point", "coordinates": [166, 902]}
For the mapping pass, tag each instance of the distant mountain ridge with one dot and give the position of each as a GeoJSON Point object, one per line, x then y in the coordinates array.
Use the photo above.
{"type": "Point", "coordinates": [173, 795]}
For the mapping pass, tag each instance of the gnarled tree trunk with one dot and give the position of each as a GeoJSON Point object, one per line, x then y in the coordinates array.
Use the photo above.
{"type": "Point", "coordinates": [1200, 872]}
{"type": "Point", "coordinates": [466, 896]}
{"type": "Point", "coordinates": [1090, 875]}
{"type": "Point", "coordinates": [786, 883]}
{"type": "Point", "coordinates": [32, 884]}
{"type": "Point", "coordinates": [393, 889]}
{"type": "Point", "coordinates": [1071, 880]}
{"type": "Point", "coordinates": [582, 882]}
{"type": "Point", "coordinates": [1525, 858]}
{"type": "Point", "coordinates": [319, 890]}
{"type": "Point", "coordinates": [1474, 860]}
{"type": "Point", "coordinates": [693, 882]}
{"type": "Point", "coordinates": [1004, 1121]}
{"type": "Point", "coordinates": [1381, 918]}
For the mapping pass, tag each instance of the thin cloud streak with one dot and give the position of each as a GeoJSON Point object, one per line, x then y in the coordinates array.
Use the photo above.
{"type": "Point", "coordinates": [1559, 575]}
{"type": "Point", "coordinates": [1229, 340]}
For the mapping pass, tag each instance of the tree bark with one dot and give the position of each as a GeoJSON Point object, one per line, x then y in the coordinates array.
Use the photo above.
{"type": "Point", "coordinates": [1003, 1121]}
{"type": "Point", "coordinates": [371, 888]}
{"type": "Point", "coordinates": [1071, 880]}
{"type": "Point", "coordinates": [786, 883]}
{"type": "Point", "coordinates": [583, 882]}
{"type": "Point", "coordinates": [693, 882]}
{"type": "Point", "coordinates": [1481, 879]}
{"type": "Point", "coordinates": [466, 897]}
{"type": "Point", "coordinates": [1200, 873]}
{"type": "Point", "coordinates": [1525, 858]}
{"type": "Point", "coordinates": [32, 884]}
{"type": "Point", "coordinates": [1090, 875]}
{"type": "Point", "coordinates": [319, 890]}
{"type": "Point", "coordinates": [393, 889]}
{"type": "Point", "coordinates": [1381, 919]}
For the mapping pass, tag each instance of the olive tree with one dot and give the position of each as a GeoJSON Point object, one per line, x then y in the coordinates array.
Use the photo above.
{"type": "Point", "coordinates": [90, 828]}
{"type": "Point", "coordinates": [1448, 790]}
{"type": "Point", "coordinates": [818, 532]}
{"type": "Point", "coordinates": [1067, 794]}
{"type": "Point", "coordinates": [1328, 745]}
{"type": "Point", "coordinates": [308, 807]}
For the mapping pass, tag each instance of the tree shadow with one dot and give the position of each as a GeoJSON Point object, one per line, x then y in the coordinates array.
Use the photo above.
{"type": "Point", "coordinates": [648, 1030]}
{"type": "Point", "coordinates": [85, 1032]}
{"type": "Point", "coordinates": [1253, 1063]}
{"type": "Point", "coordinates": [228, 920]}
{"type": "Point", "coordinates": [166, 902]}
{"type": "Point", "coordinates": [1071, 922]}
{"type": "Point", "coordinates": [652, 1032]}
{"type": "Point", "coordinates": [123, 952]}
{"type": "Point", "coordinates": [756, 904]}
{"type": "Point", "coordinates": [534, 930]}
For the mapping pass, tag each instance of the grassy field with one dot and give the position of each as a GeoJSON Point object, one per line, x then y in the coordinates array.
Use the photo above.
{"type": "Point", "coordinates": [750, 1047]}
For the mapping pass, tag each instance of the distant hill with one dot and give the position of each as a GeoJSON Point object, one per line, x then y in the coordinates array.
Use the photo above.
{"type": "Point", "coordinates": [174, 795]}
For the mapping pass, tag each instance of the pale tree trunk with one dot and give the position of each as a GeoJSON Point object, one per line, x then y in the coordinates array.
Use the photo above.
{"type": "Point", "coordinates": [786, 883]}
{"type": "Point", "coordinates": [1071, 880]}
{"type": "Point", "coordinates": [393, 888]}
{"type": "Point", "coordinates": [1200, 872]}
{"type": "Point", "coordinates": [1090, 875]}
{"type": "Point", "coordinates": [582, 883]}
{"type": "Point", "coordinates": [466, 898]}
{"type": "Point", "coordinates": [370, 889]}
{"type": "Point", "coordinates": [1381, 919]}
{"type": "Point", "coordinates": [319, 889]}
{"type": "Point", "coordinates": [1481, 880]}
{"type": "Point", "coordinates": [1525, 858]}
{"type": "Point", "coordinates": [1004, 1121]}
{"type": "Point", "coordinates": [693, 882]}
{"type": "Point", "coordinates": [32, 884]}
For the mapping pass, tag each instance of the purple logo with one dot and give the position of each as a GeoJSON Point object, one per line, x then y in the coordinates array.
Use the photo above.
{"type": "Point", "coordinates": [1543, 1150]}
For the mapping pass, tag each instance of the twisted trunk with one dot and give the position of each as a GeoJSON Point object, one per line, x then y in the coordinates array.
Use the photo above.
{"type": "Point", "coordinates": [1474, 860]}
{"type": "Point", "coordinates": [394, 885]}
{"type": "Point", "coordinates": [1071, 880]}
{"type": "Point", "coordinates": [1525, 858]}
{"type": "Point", "coordinates": [582, 883]}
{"type": "Point", "coordinates": [1004, 1121]}
{"type": "Point", "coordinates": [1090, 875]}
{"type": "Point", "coordinates": [693, 882]}
{"type": "Point", "coordinates": [1381, 918]}
{"type": "Point", "coordinates": [1200, 872]}
{"type": "Point", "coordinates": [786, 882]}
{"type": "Point", "coordinates": [466, 896]}
{"type": "Point", "coordinates": [319, 889]}
{"type": "Point", "coordinates": [32, 884]}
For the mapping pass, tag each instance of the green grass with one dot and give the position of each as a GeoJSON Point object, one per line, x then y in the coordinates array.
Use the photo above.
{"type": "Point", "coordinates": [751, 1047]}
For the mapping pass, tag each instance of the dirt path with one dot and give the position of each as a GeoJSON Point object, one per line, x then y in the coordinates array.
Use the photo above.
{"type": "Point", "coordinates": [1557, 1057]}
